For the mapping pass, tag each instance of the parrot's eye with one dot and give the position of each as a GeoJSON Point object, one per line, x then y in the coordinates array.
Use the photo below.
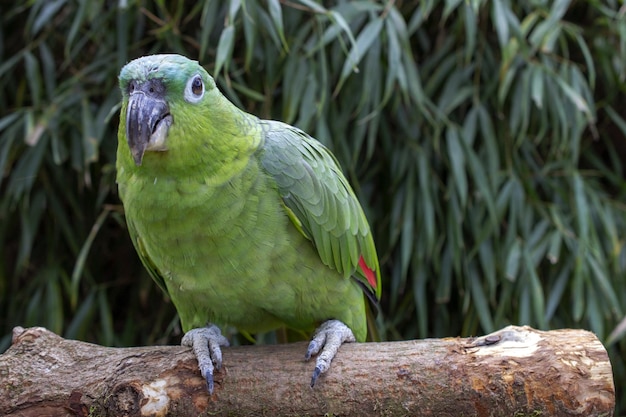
{"type": "Point", "coordinates": [195, 89]}
{"type": "Point", "coordinates": [196, 86]}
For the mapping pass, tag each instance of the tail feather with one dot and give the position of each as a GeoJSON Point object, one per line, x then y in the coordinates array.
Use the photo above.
{"type": "Point", "coordinates": [368, 272]}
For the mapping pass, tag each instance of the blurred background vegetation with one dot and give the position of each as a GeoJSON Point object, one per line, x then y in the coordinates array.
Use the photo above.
{"type": "Point", "coordinates": [485, 139]}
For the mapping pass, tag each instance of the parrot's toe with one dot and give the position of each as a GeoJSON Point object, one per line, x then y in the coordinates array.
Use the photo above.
{"type": "Point", "coordinates": [326, 341]}
{"type": "Point", "coordinates": [206, 343]}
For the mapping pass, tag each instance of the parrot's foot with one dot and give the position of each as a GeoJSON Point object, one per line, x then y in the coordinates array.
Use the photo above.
{"type": "Point", "coordinates": [327, 339]}
{"type": "Point", "coordinates": [206, 342]}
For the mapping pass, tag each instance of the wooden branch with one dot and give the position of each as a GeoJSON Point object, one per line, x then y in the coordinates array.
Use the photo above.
{"type": "Point", "coordinates": [516, 371]}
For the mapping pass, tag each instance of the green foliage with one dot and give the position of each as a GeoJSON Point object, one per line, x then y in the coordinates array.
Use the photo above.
{"type": "Point", "coordinates": [485, 140]}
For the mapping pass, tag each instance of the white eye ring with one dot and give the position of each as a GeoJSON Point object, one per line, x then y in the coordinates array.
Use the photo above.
{"type": "Point", "coordinates": [194, 90]}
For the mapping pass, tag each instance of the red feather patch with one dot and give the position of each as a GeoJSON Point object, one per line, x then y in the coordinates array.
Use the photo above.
{"type": "Point", "coordinates": [369, 273]}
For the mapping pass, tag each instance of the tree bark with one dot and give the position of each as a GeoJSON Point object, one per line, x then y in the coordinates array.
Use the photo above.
{"type": "Point", "coordinates": [516, 371]}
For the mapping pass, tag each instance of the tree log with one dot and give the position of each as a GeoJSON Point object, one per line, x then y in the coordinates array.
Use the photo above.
{"type": "Point", "coordinates": [516, 371]}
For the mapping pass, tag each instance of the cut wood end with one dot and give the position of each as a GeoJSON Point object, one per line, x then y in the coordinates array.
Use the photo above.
{"type": "Point", "coordinates": [21, 335]}
{"type": "Point", "coordinates": [512, 341]}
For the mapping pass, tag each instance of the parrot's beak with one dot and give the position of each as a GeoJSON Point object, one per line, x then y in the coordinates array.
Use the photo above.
{"type": "Point", "coordinates": [148, 120]}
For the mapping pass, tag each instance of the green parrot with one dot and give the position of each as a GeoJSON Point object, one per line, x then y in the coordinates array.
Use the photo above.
{"type": "Point", "coordinates": [241, 221]}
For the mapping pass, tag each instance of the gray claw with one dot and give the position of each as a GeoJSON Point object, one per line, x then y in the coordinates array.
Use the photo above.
{"type": "Point", "coordinates": [326, 341]}
{"type": "Point", "coordinates": [209, 382]}
{"type": "Point", "coordinates": [206, 343]}
{"type": "Point", "coordinates": [311, 350]}
{"type": "Point", "coordinates": [316, 373]}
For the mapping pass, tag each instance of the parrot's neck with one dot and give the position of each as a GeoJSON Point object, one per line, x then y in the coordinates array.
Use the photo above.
{"type": "Point", "coordinates": [206, 149]}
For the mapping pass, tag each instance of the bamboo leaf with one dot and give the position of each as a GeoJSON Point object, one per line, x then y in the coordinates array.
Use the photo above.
{"type": "Point", "coordinates": [76, 24]}
{"type": "Point", "coordinates": [444, 283]}
{"type": "Point", "coordinates": [575, 97]}
{"type": "Point", "coordinates": [578, 280]}
{"type": "Point", "coordinates": [558, 9]}
{"type": "Point", "coordinates": [554, 249]}
{"type": "Point", "coordinates": [82, 257]}
{"type": "Point", "coordinates": [589, 61]}
{"type": "Point", "coordinates": [617, 334]}
{"type": "Point", "coordinates": [457, 165]}
{"type": "Point", "coordinates": [106, 319]}
{"type": "Point", "coordinates": [233, 9]}
{"type": "Point", "coordinates": [30, 222]}
{"type": "Point", "coordinates": [555, 293]}
{"type": "Point", "coordinates": [316, 7]}
{"type": "Point", "coordinates": [450, 6]}
{"type": "Point", "coordinates": [582, 209]}
{"type": "Point", "coordinates": [49, 9]}
{"type": "Point", "coordinates": [396, 70]}
{"type": "Point", "coordinates": [90, 142]}
{"type": "Point", "coordinates": [420, 298]}
{"type": "Point", "coordinates": [53, 302]}
{"type": "Point", "coordinates": [471, 29]}
{"type": "Point", "coordinates": [508, 71]}
{"type": "Point", "coordinates": [481, 181]}
{"type": "Point", "coordinates": [500, 21]}
{"type": "Point", "coordinates": [490, 140]}
{"type": "Point", "coordinates": [364, 40]}
{"type": "Point", "coordinates": [277, 18]}
{"type": "Point", "coordinates": [480, 302]}
{"type": "Point", "coordinates": [488, 266]}
{"type": "Point", "coordinates": [537, 86]}
{"type": "Point", "coordinates": [602, 280]}
{"type": "Point", "coordinates": [408, 233]}
{"type": "Point", "coordinates": [33, 77]}
{"type": "Point", "coordinates": [81, 320]}
{"type": "Point", "coordinates": [619, 121]}
{"type": "Point", "coordinates": [513, 261]}
{"type": "Point", "coordinates": [250, 31]}
{"type": "Point", "coordinates": [207, 23]}
{"type": "Point", "coordinates": [334, 31]}
{"type": "Point", "coordinates": [224, 49]}
{"type": "Point", "coordinates": [535, 291]}
{"type": "Point", "coordinates": [426, 201]}
{"type": "Point", "coordinates": [594, 315]}
{"type": "Point", "coordinates": [420, 15]}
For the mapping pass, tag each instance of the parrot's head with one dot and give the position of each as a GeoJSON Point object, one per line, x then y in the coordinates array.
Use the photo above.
{"type": "Point", "coordinates": [168, 101]}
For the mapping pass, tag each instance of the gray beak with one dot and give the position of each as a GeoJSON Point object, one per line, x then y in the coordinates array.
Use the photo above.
{"type": "Point", "coordinates": [147, 121]}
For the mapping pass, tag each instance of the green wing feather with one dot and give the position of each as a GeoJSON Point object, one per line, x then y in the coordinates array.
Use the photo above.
{"type": "Point", "coordinates": [145, 259]}
{"type": "Point", "coordinates": [319, 200]}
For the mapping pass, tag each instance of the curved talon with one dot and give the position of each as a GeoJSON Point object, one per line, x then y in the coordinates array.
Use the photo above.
{"type": "Point", "coordinates": [313, 348]}
{"type": "Point", "coordinates": [316, 373]}
{"type": "Point", "coordinates": [216, 351]}
{"type": "Point", "coordinates": [206, 343]}
{"type": "Point", "coordinates": [209, 382]}
{"type": "Point", "coordinates": [326, 341]}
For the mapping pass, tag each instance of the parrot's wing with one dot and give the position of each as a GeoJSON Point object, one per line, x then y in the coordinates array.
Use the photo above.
{"type": "Point", "coordinates": [320, 202]}
{"type": "Point", "coordinates": [145, 258]}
